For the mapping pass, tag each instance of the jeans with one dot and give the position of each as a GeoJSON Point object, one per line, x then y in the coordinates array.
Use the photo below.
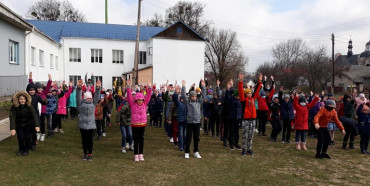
{"type": "Point", "coordinates": [126, 134]}
{"type": "Point", "coordinates": [300, 136]}
{"type": "Point", "coordinates": [24, 138]}
{"type": "Point", "coordinates": [182, 134]}
{"type": "Point", "coordinates": [168, 128]}
{"type": "Point", "coordinates": [49, 119]}
{"type": "Point", "coordinates": [248, 131]}
{"type": "Point", "coordinates": [87, 140]}
{"type": "Point", "coordinates": [323, 139]}
{"type": "Point", "coordinates": [286, 130]}
{"type": "Point", "coordinates": [59, 120]}
{"type": "Point", "coordinates": [262, 117]}
{"type": "Point", "coordinates": [192, 131]}
{"type": "Point", "coordinates": [138, 135]}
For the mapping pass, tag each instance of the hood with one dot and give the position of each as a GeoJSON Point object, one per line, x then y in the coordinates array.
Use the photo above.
{"type": "Point", "coordinates": [139, 95]}
{"type": "Point", "coordinates": [31, 85]}
{"type": "Point", "coordinates": [21, 93]}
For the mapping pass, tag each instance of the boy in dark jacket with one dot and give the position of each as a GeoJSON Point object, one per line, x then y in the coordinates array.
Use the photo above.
{"type": "Point", "coordinates": [350, 126]}
{"type": "Point", "coordinates": [234, 115]}
{"type": "Point", "coordinates": [22, 116]}
{"type": "Point", "coordinates": [181, 117]}
{"type": "Point", "coordinates": [286, 114]}
{"type": "Point", "coordinates": [275, 118]}
{"type": "Point", "coordinates": [363, 113]}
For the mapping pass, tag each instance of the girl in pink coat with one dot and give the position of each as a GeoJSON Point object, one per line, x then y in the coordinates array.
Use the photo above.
{"type": "Point", "coordinates": [138, 106]}
{"type": "Point", "coordinates": [62, 107]}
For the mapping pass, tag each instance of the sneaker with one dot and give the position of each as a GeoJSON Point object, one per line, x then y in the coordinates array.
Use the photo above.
{"type": "Point", "coordinates": [331, 143]}
{"type": "Point", "coordinates": [256, 130]}
{"type": "Point", "coordinates": [131, 148]}
{"type": "Point", "coordinates": [238, 147]}
{"type": "Point", "coordinates": [141, 157]}
{"type": "Point", "coordinates": [38, 136]}
{"type": "Point", "coordinates": [25, 153]}
{"type": "Point", "coordinates": [363, 152]}
{"type": "Point", "coordinates": [85, 157]}
{"type": "Point", "coordinates": [250, 152]}
{"type": "Point", "coordinates": [104, 134]}
{"type": "Point", "coordinates": [288, 142]}
{"type": "Point", "coordinates": [136, 158]}
{"type": "Point", "coordinates": [89, 158]}
{"type": "Point", "coordinates": [61, 131]}
{"type": "Point", "coordinates": [181, 149]}
{"type": "Point", "coordinates": [123, 150]}
{"type": "Point", "coordinates": [197, 155]}
{"type": "Point", "coordinates": [324, 155]}
{"type": "Point", "coordinates": [283, 142]}
{"type": "Point", "coordinates": [318, 156]}
{"type": "Point", "coordinates": [127, 145]}
{"type": "Point", "coordinates": [171, 140]}
{"type": "Point", "coordinates": [42, 138]}
{"type": "Point", "coordinates": [264, 134]}
{"type": "Point", "coordinates": [33, 147]}
{"type": "Point", "coordinates": [186, 155]}
{"type": "Point", "coordinates": [231, 147]}
{"type": "Point", "coordinates": [244, 153]}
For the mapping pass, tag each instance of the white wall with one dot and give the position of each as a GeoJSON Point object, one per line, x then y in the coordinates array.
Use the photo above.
{"type": "Point", "coordinates": [177, 60]}
{"type": "Point", "coordinates": [40, 73]}
{"type": "Point", "coordinates": [107, 68]}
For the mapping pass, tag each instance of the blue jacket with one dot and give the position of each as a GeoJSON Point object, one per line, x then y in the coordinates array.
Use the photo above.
{"type": "Point", "coordinates": [51, 107]}
{"type": "Point", "coordinates": [363, 121]}
{"type": "Point", "coordinates": [181, 108]}
{"type": "Point", "coordinates": [235, 107]}
{"type": "Point", "coordinates": [286, 108]}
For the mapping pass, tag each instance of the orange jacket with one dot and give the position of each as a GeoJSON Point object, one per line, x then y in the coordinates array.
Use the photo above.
{"type": "Point", "coordinates": [250, 108]}
{"type": "Point", "coordinates": [323, 117]}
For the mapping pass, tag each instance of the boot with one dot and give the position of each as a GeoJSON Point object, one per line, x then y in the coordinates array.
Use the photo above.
{"type": "Point", "coordinates": [298, 146]}
{"type": "Point", "coordinates": [351, 145]}
{"type": "Point", "coordinates": [225, 142]}
{"type": "Point", "coordinates": [344, 145]}
{"type": "Point", "coordinates": [303, 146]}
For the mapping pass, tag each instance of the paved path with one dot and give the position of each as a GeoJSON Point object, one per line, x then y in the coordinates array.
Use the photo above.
{"type": "Point", "coordinates": [4, 129]}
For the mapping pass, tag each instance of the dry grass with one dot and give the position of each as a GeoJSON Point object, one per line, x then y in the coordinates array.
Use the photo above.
{"type": "Point", "coordinates": [57, 161]}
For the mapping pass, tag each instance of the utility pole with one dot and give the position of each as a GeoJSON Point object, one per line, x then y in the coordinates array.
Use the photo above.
{"type": "Point", "coordinates": [135, 73]}
{"type": "Point", "coordinates": [332, 57]}
{"type": "Point", "coordinates": [106, 11]}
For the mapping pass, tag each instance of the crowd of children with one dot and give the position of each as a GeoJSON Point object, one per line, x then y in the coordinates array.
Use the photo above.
{"type": "Point", "coordinates": [218, 112]}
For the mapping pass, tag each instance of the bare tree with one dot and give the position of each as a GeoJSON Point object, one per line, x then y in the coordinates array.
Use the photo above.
{"type": "Point", "coordinates": [155, 21]}
{"type": "Point", "coordinates": [224, 55]}
{"type": "Point", "coordinates": [54, 10]}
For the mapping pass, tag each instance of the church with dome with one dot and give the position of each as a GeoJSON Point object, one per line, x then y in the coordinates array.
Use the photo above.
{"type": "Point", "coordinates": [356, 71]}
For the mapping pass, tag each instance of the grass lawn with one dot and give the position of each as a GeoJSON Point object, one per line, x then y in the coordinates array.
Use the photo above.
{"type": "Point", "coordinates": [58, 161]}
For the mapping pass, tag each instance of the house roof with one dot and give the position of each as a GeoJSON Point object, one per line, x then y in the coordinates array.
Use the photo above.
{"type": "Point", "coordinates": [59, 29]}
{"type": "Point", "coordinates": [347, 60]}
{"type": "Point", "coordinates": [181, 22]}
{"type": "Point", "coordinates": [365, 54]}
{"type": "Point", "coordinates": [11, 17]}
{"type": "Point", "coordinates": [143, 68]}
{"type": "Point", "coordinates": [357, 73]}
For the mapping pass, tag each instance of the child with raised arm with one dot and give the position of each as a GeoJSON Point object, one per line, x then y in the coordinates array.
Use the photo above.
{"type": "Point", "coordinates": [86, 117]}
{"type": "Point", "coordinates": [249, 114]}
{"type": "Point", "coordinates": [194, 113]}
{"type": "Point", "coordinates": [138, 105]}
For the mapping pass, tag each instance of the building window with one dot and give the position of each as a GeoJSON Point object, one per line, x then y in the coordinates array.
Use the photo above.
{"type": "Point", "coordinates": [96, 55]}
{"type": "Point", "coordinates": [96, 78]}
{"type": "Point", "coordinates": [74, 79]}
{"type": "Point", "coordinates": [13, 52]}
{"type": "Point", "coordinates": [179, 30]}
{"type": "Point", "coordinates": [142, 58]}
{"type": "Point", "coordinates": [33, 56]}
{"type": "Point", "coordinates": [56, 62]}
{"type": "Point", "coordinates": [74, 54]}
{"type": "Point", "coordinates": [41, 58]}
{"type": "Point", "coordinates": [51, 61]}
{"type": "Point", "coordinates": [117, 56]}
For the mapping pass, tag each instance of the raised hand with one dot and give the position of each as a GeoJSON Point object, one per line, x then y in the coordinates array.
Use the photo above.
{"type": "Point", "coordinates": [129, 82]}
{"type": "Point", "coordinates": [193, 85]}
{"type": "Point", "coordinates": [49, 76]}
{"type": "Point", "coordinates": [265, 78]}
{"type": "Point", "coordinates": [203, 83]}
{"type": "Point", "coordinates": [240, 76]}
{"type": "Point", "coordinates": [30, 75]}
{"type": "Point", "coordinates": [354, 90]}
{"type": "Point", "coordinates": [184, 83]}
{"type": "Point", "coordinates": [218, 83]}
{"type": "Point", "coordinates": [272, 78]}
{"type": "Point", "coordinates": [98, 83]}
{"type": "Point", "coordinates": [149, 84]}
{"type": "Point", "coordinates": [281, 88]}
{"type": "Point", "coordinates": [229, 85]}
{"type": "Point", "coordinates": [70, 83]}
{"type": "Point", "coordinates": [178, 89]}
{"type": "Point", "coordinates": [80, 82]}
{"type": "Point", "coordinates": [260, 76]}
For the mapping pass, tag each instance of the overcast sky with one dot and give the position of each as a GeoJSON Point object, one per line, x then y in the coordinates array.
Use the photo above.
{"type": "Point", "coordinates": [260, 24]}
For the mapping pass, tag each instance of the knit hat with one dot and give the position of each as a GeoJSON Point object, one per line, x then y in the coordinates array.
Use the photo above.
{"type": "Point", "coordinates": [286, 96]}
{"type": "Point", "coordinates": [159, 95]}
{"type": "Point", "coordinates": [192, 93]}
{"type": "Point", "coordinates": [209, 91]}
{"type": "Point", "coordinates": [138, 96]}
{"type": "Point", "coordinates": [330, 95]}
{"type": "Point", "coordinates": [198, 89]}
{"type": "Point", "coordinates": [362, 95]}
{"type": "Point", "coordinates": [365, 107]}
{"type": "Point", "coordinates": [330, 103]}
{"type": "Point", "coordinates": [247, 90]}
{"type": "Point", "coordinates": [38, 85]}
{"type": "Point", "coordinates": [262, 93]}
{"type": "Point", "coordinates": [275, 96]}
{"type": "Point", "coordinates": [302, 99]}
{"type": "Point", "coordinates": [30, 86]}
{"type": "Point", "coordinates": [236, 92]}
{"type": "Point", "coordinates": [87, 95]}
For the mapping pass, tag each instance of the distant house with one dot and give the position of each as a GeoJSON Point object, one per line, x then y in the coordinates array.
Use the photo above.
{"type": "Point", "coordinates": [12, 51]}
{"type": "Point", "coordinates": [356, 73]}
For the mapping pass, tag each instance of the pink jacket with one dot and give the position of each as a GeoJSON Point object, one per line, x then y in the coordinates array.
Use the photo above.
{"type": "Point", "coordinates": [43, 94]}
{"type": "Point", "coordinates": [62, 102]}
{"type": "Point", "coordinates": [138, 112]}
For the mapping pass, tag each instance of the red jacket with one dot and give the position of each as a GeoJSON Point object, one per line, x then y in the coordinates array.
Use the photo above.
{"type": "Point", "coordinates": [250, 108]}
{"type": "Point", "coordinates": [301, 118]}
{"type": "Point", "coordinates": [262, 102]}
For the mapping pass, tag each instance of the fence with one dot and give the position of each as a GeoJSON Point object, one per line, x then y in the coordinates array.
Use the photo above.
{"type": "Point", "coordinates": [9, 85]}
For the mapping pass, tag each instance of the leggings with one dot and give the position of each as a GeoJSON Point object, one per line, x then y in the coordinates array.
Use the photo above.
{"type": "Point", "coordinates": [286, 130]}
{"type": "Point", "coordinates": [59, 120]}
{"type": "Point", "coordinates": [42, 123]}
{"type": "Point", "coordinates": [138, 135]}
{"type": "Point", "coordinates": [87, 140]}
{"type": "Point", "coordinates": [24, 138]}
{"type": "Point", "coordinates": [262, 118]}
{"type": "Point", "coordinates": [323, 139]}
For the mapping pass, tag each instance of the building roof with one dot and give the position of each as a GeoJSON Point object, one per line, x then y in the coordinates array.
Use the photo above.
{"type": "Point", "coordinates": [11, 17]}
{"type": "Point", "coordinates": [347, 60]}
{"type": "Point", "coordinates": [365, 54]}
{"type": "Point", "coordinates": [59, 29]}
{"type": "Point", "coordinates": [181, 22]}
{"type": "Point", "coordinates": [357, 73]}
